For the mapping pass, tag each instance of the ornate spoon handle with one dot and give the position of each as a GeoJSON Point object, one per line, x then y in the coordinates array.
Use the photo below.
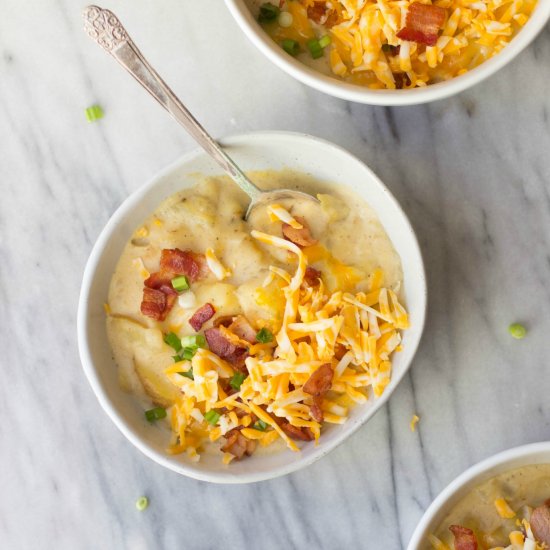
{"type": "Point", "coordinates": [104, 27]}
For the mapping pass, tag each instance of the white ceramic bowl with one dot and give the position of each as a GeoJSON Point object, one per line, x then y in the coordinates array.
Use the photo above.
{"type": "Point", "coordinates": [257, 151]}
{"type": "Point", "coordinates": [536, 453]}
{"type": "Point", "coordinates": [353, 92]}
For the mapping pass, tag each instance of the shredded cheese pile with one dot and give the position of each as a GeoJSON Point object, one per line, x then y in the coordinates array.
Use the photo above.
{"type": "Point", "coordinates": [361, 52]}
{"type": "Point", "coordinates": [355, 333]}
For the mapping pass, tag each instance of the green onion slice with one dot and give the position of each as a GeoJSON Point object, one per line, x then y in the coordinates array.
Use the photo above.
{"type": "Point", "coordinates": [260, 425]}
{"type": "Point", "coordinates": [93, 113]}
{"type": "Point", "coordinates": [194, 341]}
{"type": "Point", "coordinates": [212, 417]}
{"type": "Point", "coordinates": [173, 341]}
{"type": "Point", "coordinates": [291, 47]}
{"type": "Point", "coordinates": [155, 414]}
{"type": "Point", "coordinates": [264, 336]}
{"type": "Point", "coordinates": [236, 380]}
{"type": "Point", "coordinates": [314, 48]}
{"type": "Point", "coordinates": [180, 283]}
{"type": "Point", "coordinates": [517, 331]}
{"type": "Point", "coordinates": [142, 503]}
{"type": "Point", "coordinates": [268, 12]}
{"type": "Point", "coordinates": [187, 353]}
{"type": "Point", "coordinates": [324, 41]}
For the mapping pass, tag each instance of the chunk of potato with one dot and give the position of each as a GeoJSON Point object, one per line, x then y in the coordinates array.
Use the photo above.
{"type": "Point", "coordinates": [143, 350]}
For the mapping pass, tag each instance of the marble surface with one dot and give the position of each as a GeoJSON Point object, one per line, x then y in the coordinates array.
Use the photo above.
{"type": "Point", "coordinates": [473, 174]}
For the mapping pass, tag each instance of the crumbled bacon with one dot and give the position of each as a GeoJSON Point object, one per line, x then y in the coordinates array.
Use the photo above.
{"type": "Point", "coordinates": [315, 410]}
{"type": "Point", "coordinates": [464, 538]}
{"type": "Point", "coordinates": [318, 384]}
{"type": "Point", "coordinates": [304, 434]}
{"type": "Point", "coordinates": [173, 262]}
{"type": "Point", "coordinates": [320, 381]}
{"type": "Point", "coordinates": [223, 348]}
{"type": "Point", "coordinates": [238, 445]}
{"type": "Point", "coordinates": [312, 276]}
{"type": "Point", "coordinates": [540, 523]}
{"type": "Point", "coordinates": [402, 80]}
{"type": "Point", "coordinates": [423, 23]}
{"type": "Point", "coordinates": [203, 314]}
{"type": "Point", "coordinates": [183, 262]}
{"type": "Point", "coordinates": [154, 304]}
{"type": "Point", "coordinates": [322, 14]}
{"type": "Point", "coordinates": [243, 329]}
{"type": "Point", "coordinates": [301, 237]}
{"type": "Point", "coordinates": [158, 279]}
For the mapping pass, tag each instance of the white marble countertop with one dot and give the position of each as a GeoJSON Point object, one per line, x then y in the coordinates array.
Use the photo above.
{"type": "Point", "coordinates": [473, 174]}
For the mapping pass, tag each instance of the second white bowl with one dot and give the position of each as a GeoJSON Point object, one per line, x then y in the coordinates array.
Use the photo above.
{"type": "Point", "coordinates": [536, 453]}
{"type": "Point", "coordinates": [353, 92]}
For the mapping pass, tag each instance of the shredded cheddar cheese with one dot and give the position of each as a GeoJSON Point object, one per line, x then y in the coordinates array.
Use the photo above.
{"type": "Point", "coordinates": [503, 509]}
{"type": "Point", "coordinates": [354, 332]}
{"type": "Point", "coordinates": [414, 422]}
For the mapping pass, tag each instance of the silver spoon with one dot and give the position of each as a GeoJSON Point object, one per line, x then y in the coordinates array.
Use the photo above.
{"type": "Point", "coordinates": [104, 27]}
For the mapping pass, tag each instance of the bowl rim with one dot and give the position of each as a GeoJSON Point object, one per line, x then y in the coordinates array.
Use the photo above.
{"type": "Point", "coordinates": [528, 451]}
{"type": "Point", "coordinates": [353, 92]}
{"type": "Point", "coordinates": [97, 251]}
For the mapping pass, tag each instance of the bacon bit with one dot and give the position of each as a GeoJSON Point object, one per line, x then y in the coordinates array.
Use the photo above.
{"type": "Point", "coordinates": [223, 348]}
{"type": "Point", "coordinates": [243, 329]}
{"type": "Point", "coordinates": [464, 538]}
{"type": "Point", "coordinates": [301, 237]}
{"type": "Point", "coordinates": [312, 276]}
{"type": "Point", "coordinates": [173, 262]}
{"type": "Point", "coordinates": [322, 15]}
{"type": "Point", "coordinates": [315, 410]}
{"type": "Point", "coordinates": [317, 385]}
{"type": "Point", "coordinates": [423, 23]}
{"type": "Point", "coordinates": [183, 262]}
{"type": "Point", "coordinates": [158, 279]}
{"type": "Point", "coordinates": [154, 304]}
{"type": "Point", "coordinates": [402, 80]}
{"type": "Point", "coordinates": [540, 523]}
{"type": "Point", "coordinates": [339, 351]}
{"type": "Point", "coordinates": [202, 315]}
{"type": "Point", "coordinates": [320, 381]}
{"type": "Point", "coordinates": [303, 434]}
{"type": "Point", "coordinates": [238, 445]}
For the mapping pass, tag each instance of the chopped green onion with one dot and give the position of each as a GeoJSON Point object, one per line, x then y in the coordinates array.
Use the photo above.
{"type": "Point", "coordinates": [180, 283]}
{"type": "Point", "coordinates": [142, 503]}
{"type": "Point", "coordinates": [176, 358]}
{"type": "Point", "coordinates": [291, 47]}
{"type": "Point", "coordinates": [236, 380]}
{"type": "Point", "coordinates": [315, 48]}
{"type": "Point", "coordinates": [268, 12]}
{"type": "Point", "coordinates": [194, 341]}
{"type": "Point", "coordinates": [187, 353]}
{"type": "Point", "coordinates": [324, 41]}
{"type": "Point", "coordinates": [188, 374]}
{"type": "Point", "coordinates": [212, 417]}
{"type": "Point", "coordinates": [155, 414]}
{"type": "Point", "coordinates": [517, 331]}
{"type": "Point", "coordinates": [173, 341]}
{"type": "Point", "coordinates": [93, 113]}
{"type": "Point", "coordinates": [260, 425]}
{"type": "Point", "coordinates": [264, 336]}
